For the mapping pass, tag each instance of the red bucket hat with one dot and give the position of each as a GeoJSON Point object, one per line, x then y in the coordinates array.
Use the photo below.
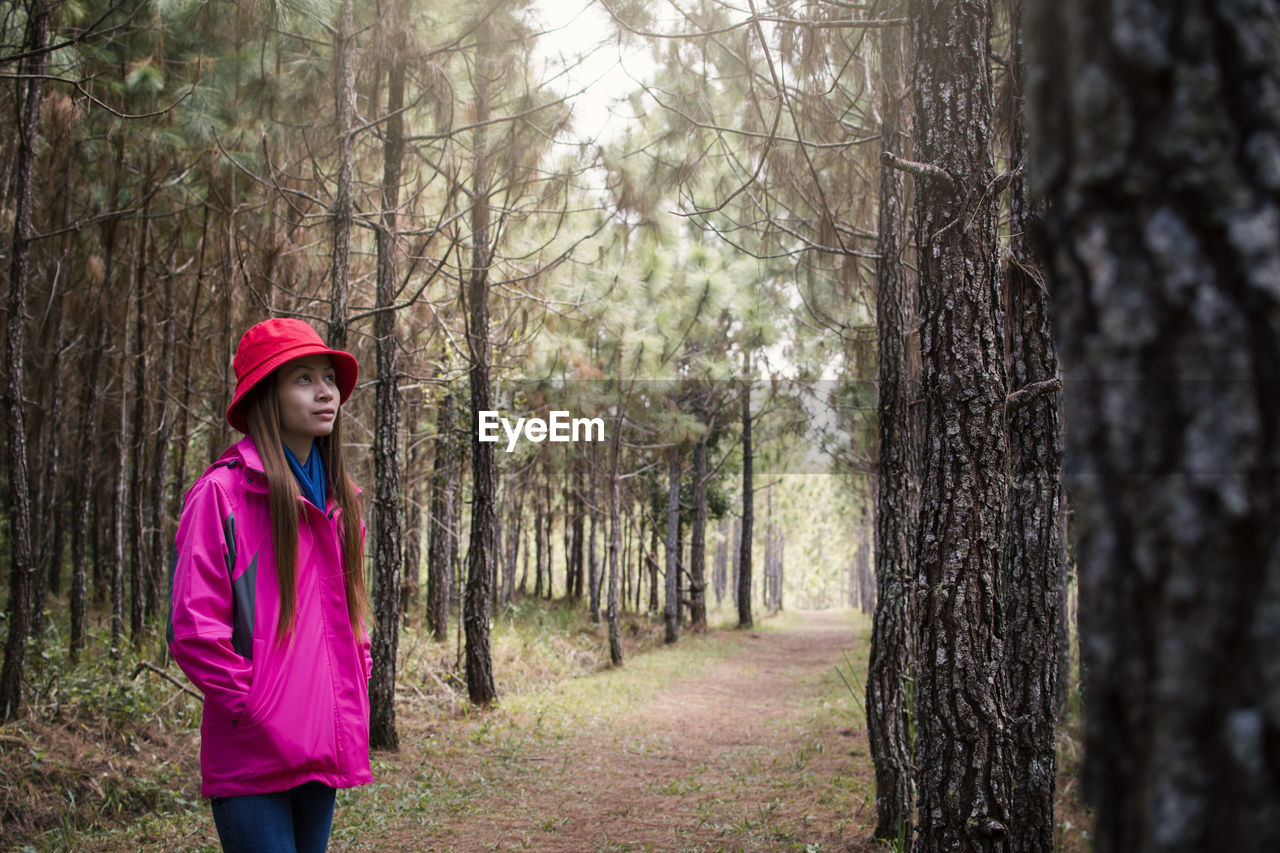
{"type": "Point", "coordinates": [270, 344]}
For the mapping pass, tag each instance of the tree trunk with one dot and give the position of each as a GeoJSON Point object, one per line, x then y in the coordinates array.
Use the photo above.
{"type": "Point", "coordinates": [21, 563]}
{"type": "Point", "coordinates": [388, 541]}
{"type": "Point", "coordinates": [615, 534]}
{"type": "Point", "coordinates": [671, 600]}
{"type": "Point", "coordinates": [963, 781]}
{"type": "Point", "coordinates": [698, 539]}
{"type": "Point", "coordinates": [866, 580]}
{"type": "Point", "coordinates": [119, 505]}
{"type": "Point", "coordinates": [539, 540]}
{"type": "Point", "coordinates": [410, 589]}
{"type": "Point", "coordinates": [158, 524]}
{"type": "Point", "coordinates": [550, 520]}
{"type": "Point", "coordinates": [720, 571]}
{"type": "Point", "coordinates": [653, 569]}
{"type": "Point", "coordinates": [1032, 596]}
{"type": "Point", "coordinates": [83, 487]}
{"type": "Point", "coordinates": [748, 498]}
{"type": "Point", "coordinates": [735, 553]}
{"type": "Point", "coordinates": [1162, 223]}
{"type": "Point", "coordinates": [593, 567]}
{"type": "Point", "coordinates": [579, 538]}
{"type": "Point", "coordinates": [48, 574]}
{"type": "Point", "coordinates": [440, 525]}
{"type": "Point", "coordinates": [138, 557]}
{"type": "Point", "coordinates": [484, 473]}
{"type": "Point", "coordinates": [890, 670]}
{"type": "Point", "coordinates": [344, 98]}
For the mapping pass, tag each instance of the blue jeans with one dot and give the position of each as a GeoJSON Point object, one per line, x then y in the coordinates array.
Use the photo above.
{"type": "Point", "coordinates": [292, 821]}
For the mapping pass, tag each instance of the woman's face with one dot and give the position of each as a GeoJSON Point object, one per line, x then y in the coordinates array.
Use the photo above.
{"type": "Point", "coordinates": [307, 389]}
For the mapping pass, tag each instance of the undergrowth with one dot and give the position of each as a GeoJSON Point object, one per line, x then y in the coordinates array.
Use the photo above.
{"type": "Point", "coordinates": [115, 738]}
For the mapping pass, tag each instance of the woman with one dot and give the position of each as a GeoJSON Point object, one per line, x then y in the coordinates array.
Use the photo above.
{"type": "Point", "coordinates": [270, 615]}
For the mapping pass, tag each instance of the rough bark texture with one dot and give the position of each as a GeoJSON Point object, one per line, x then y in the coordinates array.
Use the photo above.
{"type": "Point", "coordinates": [440, 525]}
{"type": "Point", "coordinates": [138, 557]}
{"type": "Point", "coordinates": [484, 473]}
{"type": "Point", "coordinates": [162, 436]}
{"type": "Point", "coordinates": [748, 514]}
{"type": "Point", "coordinates": [698, 539]}
{"type": "Point", "coordinates": [387, 552]}
{"type": "Point", "coordinates": [963, 776]}
{"type": "Point", "coordinates": [344, 97]}
{"type": "Point", "coordinates": [593, 565]}
{"type": "Point", "coordinates": [1031, 583]}
{"type": "Point", "coordinates": [615, 537]}
{"type": "Point", "coordinates": [21, 561]}
{"type": "Point", "coordinates": [410, 591]}
{"type": "Point", "coordinates": [671, 598]}
{"type": "Point", "coordinates": [889, 671]}
{"type": "Point", "coordinates": [1164, 229]}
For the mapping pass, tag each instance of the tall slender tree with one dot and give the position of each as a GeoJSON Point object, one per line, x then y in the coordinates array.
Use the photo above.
{"type": "Point", "coordinates": [963, 780]}
{"type": "Point", "coordinates": [21, 559]}
{"type": "Point", "coordinates": [342, 207]}
{"type": "Point", "coordinates": [889, 671]}
{"type": "Point", "coordinates": [484, 474]}
{"type": "Point", "coordinates": [743, 590]}
{"type": "Point", "coordinates": [671, 592]}
{"type": "Point", "coordinates": [387, 549]}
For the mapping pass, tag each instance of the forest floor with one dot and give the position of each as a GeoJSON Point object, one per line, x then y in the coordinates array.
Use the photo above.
{"type": "Point", "coordinates": [727, 741]}
{"type": "Point", "coordinates": [734, 740]}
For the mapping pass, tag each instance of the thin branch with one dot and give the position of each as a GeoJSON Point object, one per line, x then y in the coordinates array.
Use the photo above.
{"type": "Point", "coordinates": [920, 170]}
{"type": "Point", "coordinates": [166, 676]}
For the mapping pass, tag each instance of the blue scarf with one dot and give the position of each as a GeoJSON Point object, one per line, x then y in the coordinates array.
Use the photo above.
{"type": "Point", "coordinates": [310, 476]}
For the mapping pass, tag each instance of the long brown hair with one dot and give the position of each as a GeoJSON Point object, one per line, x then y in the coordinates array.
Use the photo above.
{"type": "Point", "coordinates": [262, 416]}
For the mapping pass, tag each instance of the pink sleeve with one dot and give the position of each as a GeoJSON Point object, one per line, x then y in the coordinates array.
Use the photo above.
{"type": "Point", "coordinates": [202, 603]}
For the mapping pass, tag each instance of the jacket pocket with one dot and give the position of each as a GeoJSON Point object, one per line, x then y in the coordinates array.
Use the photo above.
{"type": "Point", "coordinates": [252, 713]}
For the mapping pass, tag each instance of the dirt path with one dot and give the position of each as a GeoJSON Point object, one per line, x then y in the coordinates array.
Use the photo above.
{"type": "Point", "coordinates": [757, 751]}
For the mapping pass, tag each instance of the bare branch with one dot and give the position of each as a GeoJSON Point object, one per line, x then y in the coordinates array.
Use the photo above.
{"type": "Point", "coordinates": [920, 170]}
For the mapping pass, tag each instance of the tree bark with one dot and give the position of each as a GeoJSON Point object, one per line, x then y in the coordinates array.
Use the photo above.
{"type": "Point", "coordinates": [440, 525]}
{"type": "Point", "coordinates": [480, 556]}
{"type": "Point", "coordinates": [388, 536]}
{"type": "Point", "coordinates": [138, 557]}
{"type": "Point", "coordinates": [21, 561]}
{"type": "Point", "coordinates": [160, 540]}
{"type": "Point", "coordinates": [1164, 246]}
{"type": "Point", "coordinates": [671, 598]}
{"type": "Point", "coordinates": [340, 211]}
{"type": "Point", "coordinates": [410, 588]}
{"type": "Point", "coordinates": [82, 489]}
{"type": "Point", "coordinates": [698, 539]}
{"type": "Point", "coordinates": [744, 543]}
{"type": "Point", "coordinates": [890, 670]}
{"type": "Point", "coordinates": [615, 535]}
{"type": "Point", "coordinates": [1032, 595]}
{"type": "Point", "coordinates": [593, 567]}
{"type": "Point", "coordinates": [963, 781]}
{"type": "Point", "coordinates": [579, 538]}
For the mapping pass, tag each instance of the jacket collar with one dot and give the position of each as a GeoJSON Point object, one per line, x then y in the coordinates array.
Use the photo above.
{"type": "Point", "coordinates": [245, 452]}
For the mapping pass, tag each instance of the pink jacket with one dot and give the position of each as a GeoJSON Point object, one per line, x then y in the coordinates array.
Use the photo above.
{"type": "Point", "coordinates": [275, 715]}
